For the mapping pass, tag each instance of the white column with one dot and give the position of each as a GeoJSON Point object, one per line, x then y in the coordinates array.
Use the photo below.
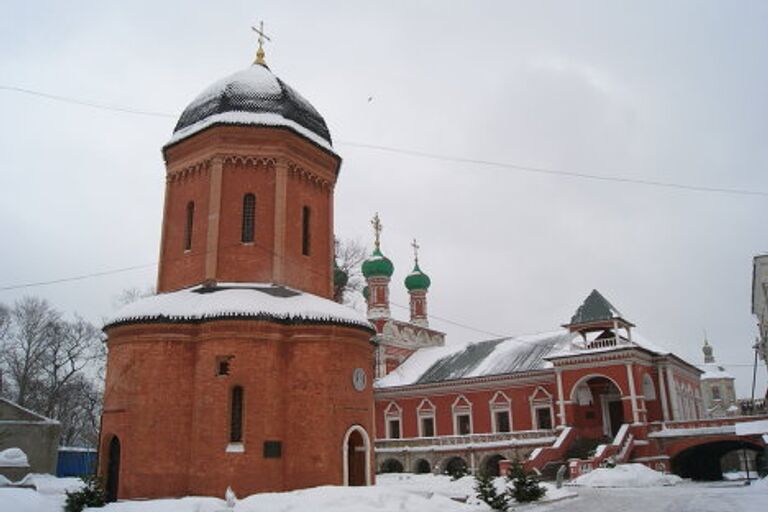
{"type": "Point", "coordinates": [674, 403]}
{"type": "Point", "coordinates": [560, 400]}
{"type": "Point", "coordinates": [663, 395]}
{"type": "Point", "coordinates": [633, 394]}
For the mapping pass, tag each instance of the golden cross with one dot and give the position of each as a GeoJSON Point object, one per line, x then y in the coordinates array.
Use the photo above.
{"type": "Point", "coordinates": [416, 248]}
{"type": "Point", "coordinates": [377, 229]}
{"type": "Point", "coordinates": [262, 37]}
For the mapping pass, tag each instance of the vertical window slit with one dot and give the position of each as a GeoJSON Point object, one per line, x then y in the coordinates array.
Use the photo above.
{"type": "Point", "coordinates": [305, 234]}
{"type": "Point", "coordinates": [249, 214]}
{"type": "Point", "coordinates": [189, 225]}
{"type": "Point", "coordinates": [236, 416]}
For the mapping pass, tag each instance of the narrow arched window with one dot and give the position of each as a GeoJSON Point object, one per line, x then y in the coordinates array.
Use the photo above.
{"type": "Point", "coordinates": [236, 416]}
{"type": "Point", "coordinates": [249, 214]}
{"type": "Point", "coordinates": [305, 235]}
{"type": "Point", "coordinates": [189, 225]}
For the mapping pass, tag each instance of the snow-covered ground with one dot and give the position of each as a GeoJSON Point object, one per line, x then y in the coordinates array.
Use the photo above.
{"type": "Point", "coordinates": [417, 493]}
{"type": "Point", "coordinates": [626, 475]}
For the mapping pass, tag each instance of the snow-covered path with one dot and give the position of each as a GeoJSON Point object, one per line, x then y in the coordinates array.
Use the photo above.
{"type": "Point", "coordinates": [686, 497]}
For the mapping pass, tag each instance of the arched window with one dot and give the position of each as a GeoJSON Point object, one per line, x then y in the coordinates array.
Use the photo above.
{"type": "Point", "coordinates": [236, 416]}
{"type": "Point", "coordinates": [649, 391]}
{"type": "Point", "coordinates": [305, 235]}
{"type": "Point", "coordinates": [249, 214]}
{"type": "Point", "coordinates": [189, 225]}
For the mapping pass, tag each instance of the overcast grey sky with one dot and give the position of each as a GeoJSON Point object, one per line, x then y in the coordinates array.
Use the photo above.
{"type": "Point", "coordinates": [667, 91]}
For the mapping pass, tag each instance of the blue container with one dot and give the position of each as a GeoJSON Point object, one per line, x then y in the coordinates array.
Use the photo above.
{"type": "Point", "coordinates": [75, 461]}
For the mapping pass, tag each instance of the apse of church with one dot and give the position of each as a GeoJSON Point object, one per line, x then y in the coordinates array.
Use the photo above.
{"type": "Point", "coordinates": [241, 371]}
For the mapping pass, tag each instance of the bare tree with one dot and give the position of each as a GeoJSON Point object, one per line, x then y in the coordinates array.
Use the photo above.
{"type": "Point", "coordinates": [24, 345]}
{"type": "Point", "coordinates": [129, 295]}
{"type": "Point", "coordinates": [350, 255]}
{"type": "Point", "coordinates": [52, 365]}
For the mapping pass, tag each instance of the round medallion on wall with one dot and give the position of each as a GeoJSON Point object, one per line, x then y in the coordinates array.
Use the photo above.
{"type": "Point", "coordinates": [359, 379]}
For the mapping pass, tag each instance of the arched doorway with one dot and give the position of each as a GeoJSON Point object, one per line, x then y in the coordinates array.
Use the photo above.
{"type": "Point", "coordinates": [491, 465]}
{"type": "Point", "coordinates": [113, 469]}
{"type": "Point", "coordinates": [356, 455]}
{"type": "Point", "coordinates": [704, 461]}
{"type": "Point", "coordinates": [422, 466]}
{"type": "Point", "coordinates": [456, 467]}
{"type": "Point", "coordinates": [598, 407]}
{"type": "Point", "coordinates": [392, 466]}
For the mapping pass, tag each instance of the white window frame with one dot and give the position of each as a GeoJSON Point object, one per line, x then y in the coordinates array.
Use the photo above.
{"type": "Point", "coordinates": [426, 410]}
{"type": "Point", "coordinates": [541, 403]}
{"type": "Point", "coordinates": [391, 413]}
{"type": "Point", "coordinates": [495, 406]}
{"type": "Point", "coordinates": [461, 410]}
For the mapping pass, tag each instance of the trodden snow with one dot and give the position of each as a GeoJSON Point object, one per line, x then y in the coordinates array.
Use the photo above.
{"type": "Point", "coordinates": [420, 493]}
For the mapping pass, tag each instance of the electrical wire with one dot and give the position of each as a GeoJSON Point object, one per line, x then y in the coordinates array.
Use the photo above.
{"type": "Point", "coordinates": [425, 154]}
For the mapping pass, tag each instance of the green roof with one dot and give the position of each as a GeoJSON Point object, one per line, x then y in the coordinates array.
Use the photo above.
{"type": "Point", "coordinates": [417, 280]}
{"type": "Point", "coordinates": [595, 308]}
{"type": "Point", "coordinates": [378, 265]}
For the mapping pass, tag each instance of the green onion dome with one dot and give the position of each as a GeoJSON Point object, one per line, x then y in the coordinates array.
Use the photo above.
{"type": "Point", "coordinates": [366, 292]}
{"type": "Point", "coordinates": [378, 265]}
{"type": "Point", "coordinates": [417, 280]}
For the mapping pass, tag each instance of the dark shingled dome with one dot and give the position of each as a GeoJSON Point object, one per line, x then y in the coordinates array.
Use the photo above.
{"type": "Point", "coordinates": [253, 96]}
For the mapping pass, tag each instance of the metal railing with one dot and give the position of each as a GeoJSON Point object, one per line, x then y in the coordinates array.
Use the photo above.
{"type": "Point", "coordinates": [526, 437]}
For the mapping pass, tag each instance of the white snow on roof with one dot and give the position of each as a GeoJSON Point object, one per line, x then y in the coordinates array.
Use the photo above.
{"type": "Point", "coordinates": [13, 458]}
{"type": "Point", "coordinates": [249, 118]}
{"type": "Point", "coordinates": [576, 347]}
{"type": "Point", "coordinates": [497, 357]}
{"type": "Point", "coordinates": [239, 299]}
{"type": "Point", "coordinates": [714, 371]}
{"type": "Point", "coordinates": [476, 359]}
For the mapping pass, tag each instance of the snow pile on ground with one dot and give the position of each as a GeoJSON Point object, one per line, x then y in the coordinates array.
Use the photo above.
{"type": "Point", "coordinates": [188, 504]}
{"type": "Point", "coordinates": [13, 458]}
{"type": "Point", "coordinates": [4, 481]}
{"type": "Point", "coordinates": [463, 488]}
{"type": "Point", "coordinates": [626, 475]}
{"type": "Point", "coordinates": [28, 500]}
{"type": "Point", "coordinates": [49, 484]}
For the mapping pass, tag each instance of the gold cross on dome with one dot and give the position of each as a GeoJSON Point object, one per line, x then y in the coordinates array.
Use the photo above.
{"type": "Point", "coordinates": [416, 248]}
{"type": "Point", "coordinates": [377, 229]}
{"type": "Point", "coordinates": [262, 37]}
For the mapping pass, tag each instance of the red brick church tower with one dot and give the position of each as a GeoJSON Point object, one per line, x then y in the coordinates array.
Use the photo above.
{"type": "Point", "coordinates": [241, 371]}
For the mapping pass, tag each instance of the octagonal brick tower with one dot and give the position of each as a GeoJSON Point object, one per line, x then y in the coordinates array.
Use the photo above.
{"type": "Point", "coordinates": [241, 371]}
{"type": "Point", "coordinates": [249, 190]}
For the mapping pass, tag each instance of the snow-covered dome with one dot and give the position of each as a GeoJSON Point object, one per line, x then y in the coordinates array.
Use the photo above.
{"type": "Point", "coordinates": [253, 96]}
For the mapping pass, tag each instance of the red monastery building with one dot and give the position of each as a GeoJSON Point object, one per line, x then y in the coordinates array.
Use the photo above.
{"type": "Point", "coordinates": [591, 391]}
{"type": "Point", "coordinates": [241, 371]}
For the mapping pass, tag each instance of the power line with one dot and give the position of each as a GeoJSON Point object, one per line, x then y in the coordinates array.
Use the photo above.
{"type": "Point", "coordinates": [425, 154]}
{"type": "Point", "coordinates": [554, 172]}
{"type": "Point", "coordinates": [85, 103]}
{"type": "Point", "coordinates": [75, 278]}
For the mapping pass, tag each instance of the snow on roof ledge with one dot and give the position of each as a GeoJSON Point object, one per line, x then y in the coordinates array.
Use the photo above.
{"type": "Point", "coordinates": [249, 300]}
{"type": "Point", "coordinates": [251, 119]}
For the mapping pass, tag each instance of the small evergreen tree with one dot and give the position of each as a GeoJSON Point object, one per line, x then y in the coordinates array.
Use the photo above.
{"type": "Point", "coordinates": [486, 491]}
{"type": "Point", "coordinates": [525, 488]}
{"type": "Point", "coordinates": [91, 495]}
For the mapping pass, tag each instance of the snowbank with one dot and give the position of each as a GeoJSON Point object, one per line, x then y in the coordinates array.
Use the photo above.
{"type": "Point", "coordinates": [4, 481]}
{"type": "Point", "coordinates": [29, 500]}
{"type": "Point", "coordinates": [13, 458]}
{"type": "Point", "coordinates": [49, 484]}
{"type": "Point", "coordinates": [462, 488]}
{"type": "Point", "coordinates": [318, 499]}
{"type": "Point", "coordinates": [626, 475]}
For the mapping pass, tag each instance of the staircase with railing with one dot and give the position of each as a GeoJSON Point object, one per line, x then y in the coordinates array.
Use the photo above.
{"type": "Point", "coordinates": [617, 451]}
